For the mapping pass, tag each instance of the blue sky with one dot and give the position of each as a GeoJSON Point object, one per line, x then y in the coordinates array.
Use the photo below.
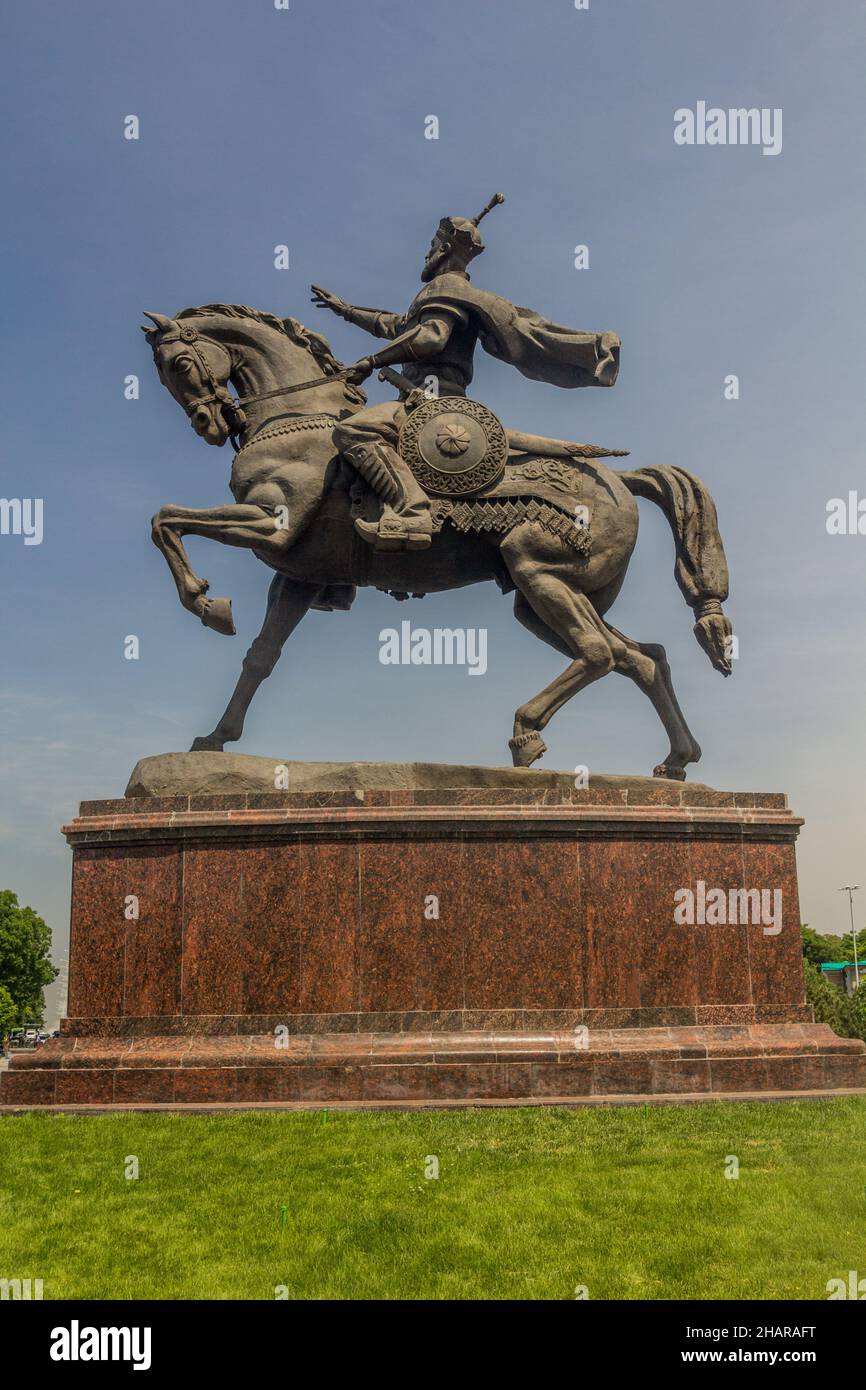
{"type": "Point", "coordinates": [306, 127]}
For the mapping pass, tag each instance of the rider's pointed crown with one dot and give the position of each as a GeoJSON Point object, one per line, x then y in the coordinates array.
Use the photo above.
{"type": "Point", "coordinates": [463, 233]}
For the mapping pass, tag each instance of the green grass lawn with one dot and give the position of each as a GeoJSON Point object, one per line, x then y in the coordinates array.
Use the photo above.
{"type": "Point", "coordinates": [529, 1203]}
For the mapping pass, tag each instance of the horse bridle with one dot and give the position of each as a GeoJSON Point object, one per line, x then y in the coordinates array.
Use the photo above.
{"type": "Point", "coordinates": [219, 395]}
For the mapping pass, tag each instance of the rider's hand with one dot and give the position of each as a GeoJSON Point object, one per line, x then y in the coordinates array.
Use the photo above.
{"type": "Point", "coordinates": [360, 371]}
{"type": "Point", "coordinates": [323, 299]}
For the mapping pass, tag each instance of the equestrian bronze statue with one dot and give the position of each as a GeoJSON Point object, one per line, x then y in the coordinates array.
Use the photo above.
{"type": "Point", "coordinates": [429, 491]}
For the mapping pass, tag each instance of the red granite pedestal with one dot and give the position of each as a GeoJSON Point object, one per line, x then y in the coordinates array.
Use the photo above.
{"type": "Point", "coordinates": [445, 946]}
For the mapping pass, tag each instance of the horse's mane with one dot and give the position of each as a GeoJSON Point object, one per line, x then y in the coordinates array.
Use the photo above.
{"type": "Point", "coordinates": [317, 345]}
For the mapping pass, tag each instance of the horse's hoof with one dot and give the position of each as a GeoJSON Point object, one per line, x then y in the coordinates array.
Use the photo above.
{"type": "Point", "coordinates": [526, 748]}
{"type": "Point", "coordinates": [217, 614]}
{"type": "Point", "coordinates": [208, 744]}
{"type": "Point", "coordinates": [674, 774]}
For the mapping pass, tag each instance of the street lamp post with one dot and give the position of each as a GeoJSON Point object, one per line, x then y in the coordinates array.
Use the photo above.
{"type": "Point", "coordinates": [851, 890]}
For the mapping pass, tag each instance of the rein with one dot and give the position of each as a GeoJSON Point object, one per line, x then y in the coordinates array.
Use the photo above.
{"type": "Point", "coordinates": [288, 390]}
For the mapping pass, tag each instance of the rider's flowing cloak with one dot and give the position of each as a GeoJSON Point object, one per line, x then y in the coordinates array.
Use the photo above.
{"type": "Point", "coordinates": [538, 348]}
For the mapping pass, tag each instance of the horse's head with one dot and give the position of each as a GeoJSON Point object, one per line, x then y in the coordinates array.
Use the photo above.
{"type": "Point", "coordinates": [196, 371]}
{"type": "Point", "coordinates": [200, 351]}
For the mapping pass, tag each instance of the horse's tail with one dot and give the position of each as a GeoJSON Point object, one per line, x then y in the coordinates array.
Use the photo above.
{"type": "Point", "coordinates": [701, 569]}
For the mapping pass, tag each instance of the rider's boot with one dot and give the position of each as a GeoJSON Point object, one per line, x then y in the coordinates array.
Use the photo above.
{"type": "Point", "coordinates": [405, 523]}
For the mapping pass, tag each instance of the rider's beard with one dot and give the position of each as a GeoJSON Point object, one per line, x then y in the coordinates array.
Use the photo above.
{"type": "Point", "coordinates": [434, 266]}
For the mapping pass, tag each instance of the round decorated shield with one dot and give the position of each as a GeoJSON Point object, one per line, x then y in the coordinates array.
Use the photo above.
{"type": "Point", "coordinates": [454, 446]}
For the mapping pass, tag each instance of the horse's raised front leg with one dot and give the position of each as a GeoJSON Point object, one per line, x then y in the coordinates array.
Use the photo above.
{"type": "Point", "coordinates": [287, 603]}
{"type": "Point", "coordinates": [190, 589]}
{"type": "Point", "coordinates": [241, 524]}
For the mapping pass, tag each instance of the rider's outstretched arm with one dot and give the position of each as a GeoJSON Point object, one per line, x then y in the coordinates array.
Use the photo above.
{"type": "Point", "coordinates": [379, 322]}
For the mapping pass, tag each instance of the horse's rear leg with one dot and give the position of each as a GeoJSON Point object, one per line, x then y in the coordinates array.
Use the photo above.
{"type": "Point", "coordinates": [646, 664]}
{"type": "Point", "coordinates": [527, 616]}
{"type": "Point", "coordinates": [566, 619]}
{"type": "Point", "coordinates": [287, 604]}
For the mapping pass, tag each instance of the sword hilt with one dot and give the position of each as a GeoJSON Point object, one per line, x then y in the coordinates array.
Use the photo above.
{"type": "Point", "coordinates": [396, 379]}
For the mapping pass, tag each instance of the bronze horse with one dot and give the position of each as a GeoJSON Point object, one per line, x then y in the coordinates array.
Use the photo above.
{"type": "Point", "coordinates": [294, 510]}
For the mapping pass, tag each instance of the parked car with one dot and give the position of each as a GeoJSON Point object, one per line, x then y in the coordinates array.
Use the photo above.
{"type": "Point", "coordinates": [26, 1038]}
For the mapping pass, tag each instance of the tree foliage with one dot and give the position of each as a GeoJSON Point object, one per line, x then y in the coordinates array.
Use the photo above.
{"type": "Point", "coordinates": [25, 964]}
{"type": "Point", "coordinates": [8, 1013]}
{"type": "Point", "coordinates": [846, 1014]}
{"type": "Point", "coordinates": [818, 948]}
